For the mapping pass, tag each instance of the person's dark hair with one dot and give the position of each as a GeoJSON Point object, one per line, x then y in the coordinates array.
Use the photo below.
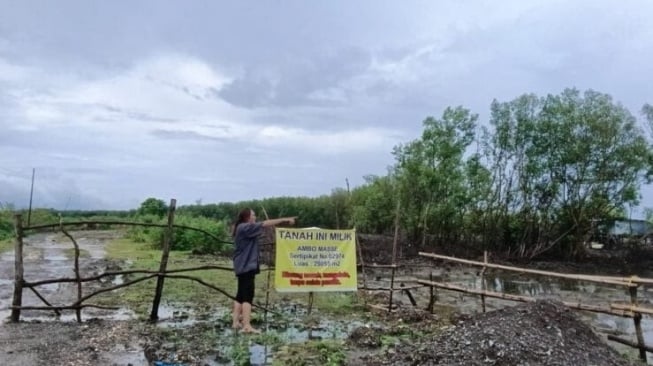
{"type": "Point", "coordinates": [243, 216]}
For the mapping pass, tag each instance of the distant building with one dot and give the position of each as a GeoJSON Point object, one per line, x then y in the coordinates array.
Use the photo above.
{"type": "Point", "coordinates": [615, 233]}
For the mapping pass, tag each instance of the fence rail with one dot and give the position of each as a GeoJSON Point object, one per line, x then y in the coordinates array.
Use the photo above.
{"type": "Point", "coordinates": [20, 284]}
{"type": "Point", "coordinates": [633, 310]}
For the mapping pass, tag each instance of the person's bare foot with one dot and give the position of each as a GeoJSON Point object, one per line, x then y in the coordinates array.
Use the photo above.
{"type": "Point", "coordinates": [249, 329]}
{"type": "Point", "coordinates": [236, 326]}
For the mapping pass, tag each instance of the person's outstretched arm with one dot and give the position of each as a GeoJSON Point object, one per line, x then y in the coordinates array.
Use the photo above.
{"type": "Point", "coordinates": [283, 220]}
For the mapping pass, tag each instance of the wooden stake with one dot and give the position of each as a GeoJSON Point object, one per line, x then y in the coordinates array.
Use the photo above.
{"type": "Point", "coordinates": [394, 254]}
{"type": "Point", "coordinates": [18, 269]}
{"type": "Point", "coordinates": [483, 279]}
{"type": "Point", "coordinates": [310, 302]}
{"type": "Point", "coordinates": [432, 295]}
{"type": "Point", "coordinates": [637, 319]}
{"type": "Point", "coordinates": [362, 262]}
{"type": "Point", "coordinates": [392, 288]}
{"type": "Point", "coordinates": [167, 239]}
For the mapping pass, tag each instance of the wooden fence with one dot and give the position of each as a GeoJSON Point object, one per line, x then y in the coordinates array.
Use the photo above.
{"type": "Point", "coordinates": [632, 310]}
{"type": "Point", "coordinates": [81, 302]}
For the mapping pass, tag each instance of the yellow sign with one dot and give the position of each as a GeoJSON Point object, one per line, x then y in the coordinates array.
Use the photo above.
{"type": "Point", "coordinates": [315, 260]}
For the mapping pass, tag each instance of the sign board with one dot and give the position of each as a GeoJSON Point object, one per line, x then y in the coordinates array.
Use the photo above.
{"type": "Point", "coordinates": [315, 260]}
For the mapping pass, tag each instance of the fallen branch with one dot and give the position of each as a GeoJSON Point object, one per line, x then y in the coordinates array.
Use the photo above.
{"type": "Point", "coordinates": [114, 288]}
{"type": "Point", "coordinates": [127, 272]}
{"type": "Point", "coordinates": [67, 307]}
{"type": "Point", "coordinates": [78, 312]}
{"type": "Point", "coordinates": [217, 289]}
{"type": "Point", "coordinates": [44, 300]}
{"type": "Point", "coordinates": [126, 223]}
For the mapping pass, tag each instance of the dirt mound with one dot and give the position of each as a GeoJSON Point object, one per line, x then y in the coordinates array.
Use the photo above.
{"type": "Point", "coordinates": [540, 333]}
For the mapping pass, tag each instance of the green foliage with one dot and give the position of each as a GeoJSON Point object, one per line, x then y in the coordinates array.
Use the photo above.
{"type": "Point", "coordinates": [153, 206]}
{"type": "Point", "coordinates": [184, 239]}
{"type": "Point", "coordinates": [432, 175]}
{"type": "Point", "coordinates": [6, 224]}
{"type": "Point", "coordinates": [373, 205]}
{"type": "Point", "coordinates": [559, 162]}
{"type": "Point", "coordinates": [323, 353]}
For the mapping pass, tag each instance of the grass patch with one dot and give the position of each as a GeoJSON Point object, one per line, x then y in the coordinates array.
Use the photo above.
{"type": "Point", "coordinates": [143, 256]}
{"type": "Point", "coordinates": [323, 353]}
{"type": "Point", "coordinates": [6, 245]}
{"type": "Point", "coordinates": [70, 253]}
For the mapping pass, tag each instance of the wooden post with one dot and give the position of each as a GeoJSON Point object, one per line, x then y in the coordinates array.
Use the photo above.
{"type": "Point", "coordinates": [267, 282]}
{"type": "Point", "coordinates": [360, 256]}
{"type": "Point", "coordinates": [432, 295]}
{"type": "Point", "coordinates": [18, 274]}
{"type": "Point", "coordinates": [310, 302]}
{"type": "Point", "coordinates": [392, 288]}
{"type": "Point", "coordinates": [396, 238]}
{"type": "Point", "coordinates": [167, 239]}
{"type": "Point", "coordinates": [483, 279]}
{"type": "Point", "coordinates": [637, 319]}
{"type": "Point", "coordinates": [394, 255]}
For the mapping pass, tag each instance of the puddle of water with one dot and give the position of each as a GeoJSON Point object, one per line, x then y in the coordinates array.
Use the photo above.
{"type": "Point", "coordinates": [118, 280]}
{"type": "Point", "coordinates": [125, 358]}
{"type": "Point", "coordinates": [171, 316]}
{"type": "Point", "coordinates": [55, 258]}
{"type": "Point", "coordinates": [260, 355]}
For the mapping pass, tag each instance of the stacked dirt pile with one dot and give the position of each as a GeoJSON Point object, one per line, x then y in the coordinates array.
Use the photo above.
{"type": "Point", "coordinates": [540, 333]}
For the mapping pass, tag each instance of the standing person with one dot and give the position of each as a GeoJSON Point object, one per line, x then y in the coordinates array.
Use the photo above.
{"type": "Point", "coordinates": [246, 263]}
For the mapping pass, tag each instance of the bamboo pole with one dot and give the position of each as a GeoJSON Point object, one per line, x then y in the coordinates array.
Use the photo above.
{"type": "Point", "coordinates": [637, 319]}
{"type": "Point", "coordinates": [531, 271]}
{"type": "Point", "coordinates": [395, 289]}
{"type": "Point", "coordinates": [167, 239]}
{"type": "Point", "coordinates": [520, 298]}
{"type": "Point", "coordinates": [631, 308]}
{"type": "Point", "coordinates": [483, 279]}
{"type": "Point", "coordinates": [78, 311]}
{"type": "Point", "coordinates": [381, 265]}
{"type": "Point", "coordinates": [18, 269]}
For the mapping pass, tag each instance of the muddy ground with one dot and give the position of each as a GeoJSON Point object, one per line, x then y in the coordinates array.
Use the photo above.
{"type": "Point", "coordinates": [536, 334]}
{"type": "Point", "coordinates": [190, 337]}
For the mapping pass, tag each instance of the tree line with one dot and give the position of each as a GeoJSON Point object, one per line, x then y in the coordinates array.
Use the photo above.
{"type": "Point", "coordinates": [531, 181]}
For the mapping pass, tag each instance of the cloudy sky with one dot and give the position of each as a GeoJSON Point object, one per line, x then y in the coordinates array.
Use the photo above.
{"type": "Point", "coordinates": [116, 101]}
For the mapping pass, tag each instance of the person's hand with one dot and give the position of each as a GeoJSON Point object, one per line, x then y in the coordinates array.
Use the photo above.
{"type": "Point", "coordinates": [291, 220]}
